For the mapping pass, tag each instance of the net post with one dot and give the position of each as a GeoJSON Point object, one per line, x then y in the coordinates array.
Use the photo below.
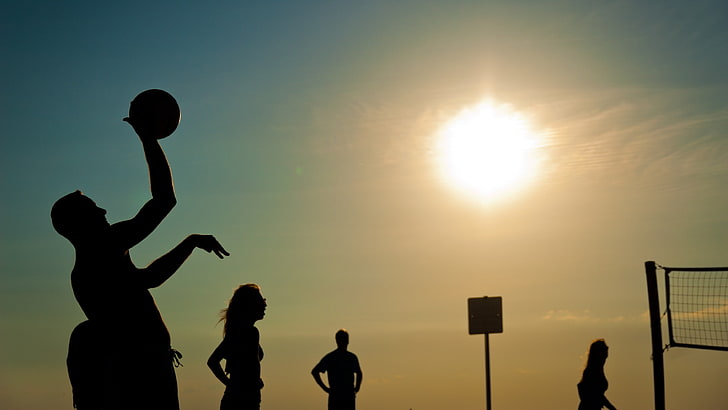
{"type": "Point", "coordinates": [658, 366]}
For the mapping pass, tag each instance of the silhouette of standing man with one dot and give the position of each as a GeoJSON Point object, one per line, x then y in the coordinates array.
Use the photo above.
{"type": "Point", "coordinates": [344, 374]}
{"type": "Point", "coordinates": [121, 358]}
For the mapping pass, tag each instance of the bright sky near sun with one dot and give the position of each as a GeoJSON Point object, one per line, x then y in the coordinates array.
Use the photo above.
{"type": "Point", "coordinates": [372, 165]}
{"type": "Point", "coordinates": [487, 151]}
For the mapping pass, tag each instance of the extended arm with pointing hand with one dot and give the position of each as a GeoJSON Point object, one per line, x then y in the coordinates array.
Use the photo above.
{"type": "Point", "coordinates": [166, 265]}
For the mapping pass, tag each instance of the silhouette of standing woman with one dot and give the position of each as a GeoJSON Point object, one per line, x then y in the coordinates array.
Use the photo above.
{"type": "Point", "coordinates": [121, 357]}
{"type": "Point", "coordinates": [593, 384]}
{"type": "Point", "coordinates": [240, 347]}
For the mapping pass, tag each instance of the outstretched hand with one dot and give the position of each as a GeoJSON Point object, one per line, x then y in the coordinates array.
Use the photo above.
{"type": "Point", "coordinates": [209, 244]}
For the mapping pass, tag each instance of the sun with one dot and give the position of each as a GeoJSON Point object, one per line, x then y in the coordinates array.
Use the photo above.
{"type": "Point", "coordinates": [487, 151]}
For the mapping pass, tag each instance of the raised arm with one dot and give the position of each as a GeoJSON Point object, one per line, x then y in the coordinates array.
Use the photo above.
{"type": "Point", "coordinates": [160, 176]}
{"type": "Point", "coordinates": [131, 232]}
{"type": "Point", "coordinates": [166, 265]}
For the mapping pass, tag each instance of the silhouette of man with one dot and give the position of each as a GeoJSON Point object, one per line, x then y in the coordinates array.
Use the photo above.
{"type": "Point", "coordinates": [124, 347]}
{"type": "Point", "coordinates": [344, 374]}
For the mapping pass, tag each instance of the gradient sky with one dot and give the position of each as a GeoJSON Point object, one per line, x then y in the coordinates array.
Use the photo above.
{"type": "Point", "coordinates": [308, 147]}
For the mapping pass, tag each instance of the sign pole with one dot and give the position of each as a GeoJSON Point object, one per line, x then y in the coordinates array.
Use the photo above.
{"type": "Point", "coordinates": [485, 316]}
{"type": "Point", "coordinates": [487, 373]}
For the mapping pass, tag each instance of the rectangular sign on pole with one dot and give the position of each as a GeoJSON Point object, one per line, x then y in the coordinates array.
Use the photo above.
{"type": "Point", "coordinates": [485, 315]}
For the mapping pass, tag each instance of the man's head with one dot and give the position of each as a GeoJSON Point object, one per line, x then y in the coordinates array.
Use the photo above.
{"type": "Point", "coordinates": [342, 339]}
{"type": "Point", "coordinates": [76, 216]}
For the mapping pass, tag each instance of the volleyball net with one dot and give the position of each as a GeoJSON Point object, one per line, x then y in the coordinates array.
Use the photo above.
{"type": "Point", "coordinates": [697, 307]}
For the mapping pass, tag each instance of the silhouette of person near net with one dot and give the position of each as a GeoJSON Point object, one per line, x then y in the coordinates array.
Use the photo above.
{"type": "Point", "coordinates": [593, 384]}
{"type": "Point", "coordinates": [121, 357]}
{"type": "Point", "coordinates": [240, 348]}
{"type": "Point", "coordinates": [343, 372]}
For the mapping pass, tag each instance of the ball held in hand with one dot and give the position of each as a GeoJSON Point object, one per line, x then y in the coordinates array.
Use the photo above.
{"type": "Point", "coordinates": [154, 113]}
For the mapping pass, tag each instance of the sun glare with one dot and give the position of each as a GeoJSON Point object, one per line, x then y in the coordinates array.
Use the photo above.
{"type": "Point", "coordinates": [487, 151]}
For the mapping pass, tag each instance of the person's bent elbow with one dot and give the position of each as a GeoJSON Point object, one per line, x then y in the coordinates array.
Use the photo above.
{"type": "Point", "coordinates": [169, 202]}
{"type": "Point", "coordinates": [164, 204]}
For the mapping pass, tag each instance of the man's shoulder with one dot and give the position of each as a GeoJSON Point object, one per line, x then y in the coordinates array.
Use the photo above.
{"type": "Point", "coordinates": [343, 356]}
{"type": "Point", "coordinates": [334, 355]}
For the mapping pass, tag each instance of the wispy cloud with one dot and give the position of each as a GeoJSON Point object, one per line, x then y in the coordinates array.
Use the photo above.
{"type": "Point", "coordinates": [645, 137]}
{"type": "Point", "coordinates": [623, 135]}
{"type": "Point", "coordinates": [586, 316]}
{"type": "Point", "coordinates": [714, 313]}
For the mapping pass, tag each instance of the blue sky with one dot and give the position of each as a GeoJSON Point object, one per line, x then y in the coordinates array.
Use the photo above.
{"type": "Point", "coordinates": [308, 147]}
